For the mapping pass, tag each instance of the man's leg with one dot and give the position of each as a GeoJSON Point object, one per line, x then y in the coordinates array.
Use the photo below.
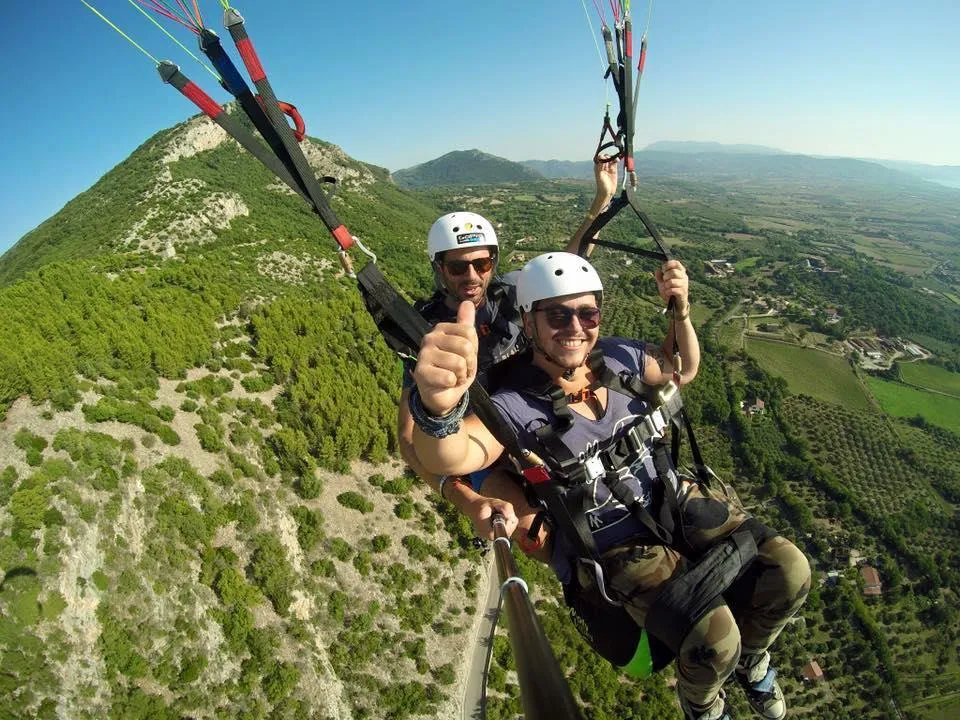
{"type": "Point", "coordinates": [763, 601]}
{"type": "Point", "coordinates": [710, 651]}
{"type": "Point", "coordinates": [770, 594]}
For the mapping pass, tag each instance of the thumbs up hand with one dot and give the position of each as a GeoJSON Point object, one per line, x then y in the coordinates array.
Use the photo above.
{"type": "Point", "coordinates": [447, 363]}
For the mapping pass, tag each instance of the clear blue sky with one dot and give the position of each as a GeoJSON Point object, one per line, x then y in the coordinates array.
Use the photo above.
{"type": "Point", "coordinates": [401, 82]}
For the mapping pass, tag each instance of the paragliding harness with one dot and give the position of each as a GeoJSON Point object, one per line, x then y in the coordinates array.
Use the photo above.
{"type": "Point", "coordinates": [563, 484]}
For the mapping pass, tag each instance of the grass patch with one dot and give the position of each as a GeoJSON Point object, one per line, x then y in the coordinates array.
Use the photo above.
{"type": "Point", "coordinates": [933, 377]}
{"type": "Point", "coordinates": [809, 372]}
{"type": "Point", "coordinates": [900, 400]}
{"type": "Point", "coordinates": [747, 263]}
{"type": "Point", "coordinates": [700, 314]}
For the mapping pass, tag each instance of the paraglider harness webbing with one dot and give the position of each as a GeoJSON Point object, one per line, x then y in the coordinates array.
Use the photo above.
{"type": "Point", "coordinates": [234, 23]}
{"type": "Point", "coordinates": [233, 82]}
{"type": "Point", "coordinates": [172, 75]}
{"type": "Point", "coordinates": [561, 493]}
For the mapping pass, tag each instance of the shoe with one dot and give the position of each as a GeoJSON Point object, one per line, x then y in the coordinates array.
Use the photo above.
{"type": "Point", "coordinates": [759, 682]}
{"type": "Point", "coordinates": [716, 711]}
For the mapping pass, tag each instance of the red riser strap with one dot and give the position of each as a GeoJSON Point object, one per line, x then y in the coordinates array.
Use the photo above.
{"type": "Point", "coordinates": [250, 59]}
{"type": "Point", "coordinates": [203, 101]}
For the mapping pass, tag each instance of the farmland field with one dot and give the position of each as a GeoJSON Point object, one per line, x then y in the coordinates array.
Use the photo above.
{"type": "Point", "coordinates": [809, 372]}
{"type": "Point", "coordinates": [931, 376]}
{"type": "Point", "coordinates": [900, 400]}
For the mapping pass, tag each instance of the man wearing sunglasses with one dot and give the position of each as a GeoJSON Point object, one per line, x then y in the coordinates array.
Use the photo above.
{"type": "Point", "coordinates": [464, 252]}
{"type": "Point", "coordinates": [648, 527]}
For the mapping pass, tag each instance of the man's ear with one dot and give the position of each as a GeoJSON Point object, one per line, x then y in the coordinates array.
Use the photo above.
{"type": "Point", "coordinates": [527, 319]}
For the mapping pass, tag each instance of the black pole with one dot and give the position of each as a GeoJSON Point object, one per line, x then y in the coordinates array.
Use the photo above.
{"type": "Point", "coordinates": [543, 688]}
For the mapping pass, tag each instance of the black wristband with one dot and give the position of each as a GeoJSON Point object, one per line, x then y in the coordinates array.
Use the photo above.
{"type": "Point", "coordinates": [438, 427]}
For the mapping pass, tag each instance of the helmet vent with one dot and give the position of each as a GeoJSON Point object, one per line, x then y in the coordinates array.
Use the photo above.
{"type": "Point", "coordinates": [456, 229]}
{"type": "Point", "coordinates": [558, 273]}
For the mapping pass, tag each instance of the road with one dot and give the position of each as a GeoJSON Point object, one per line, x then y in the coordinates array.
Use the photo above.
{"type": "Point", "coordinates": [474, 697]}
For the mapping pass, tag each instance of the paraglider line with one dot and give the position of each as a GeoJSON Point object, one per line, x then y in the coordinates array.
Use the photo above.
{"type": "Point", "coordinates": [168, 13]}
{"type": "Point", "coordinates": [593, 33]}
{"type": "Point", "coordinates": [122, 33]}
{"type": "Point", "coordinates": [199, 16]}
{"type": "Point", "coordinates": [616, 13]}
{"type": "Point", "coordinates": [186, 10]}
{"type": "Point", "coordinates": [171, 36]}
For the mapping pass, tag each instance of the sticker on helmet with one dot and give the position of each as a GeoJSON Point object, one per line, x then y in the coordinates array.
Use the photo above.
{"type": "Point", "coordinates": [469, 238]}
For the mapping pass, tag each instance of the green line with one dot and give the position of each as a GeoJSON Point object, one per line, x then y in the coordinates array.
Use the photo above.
{"type": "Point", "coordinates": [169, 35]}
{"type": "Point", "coordinates": [226, 4]}
{"type": "Point", "coordinates": [122, 33]}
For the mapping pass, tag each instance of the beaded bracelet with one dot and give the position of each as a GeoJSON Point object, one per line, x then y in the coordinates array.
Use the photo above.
{"type": "Point", "coordinates": [438, 427]}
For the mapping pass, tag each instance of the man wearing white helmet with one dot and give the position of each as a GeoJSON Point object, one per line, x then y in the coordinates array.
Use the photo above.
{"type": "Point", "coordinates": [668, 549]}
{"type": "Point", "coordinates": [464, 251]}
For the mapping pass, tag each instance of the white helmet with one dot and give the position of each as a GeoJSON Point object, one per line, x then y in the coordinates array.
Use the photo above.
{"type": "Point", "coordinates": [458, 230]}
{"type": "Point", "coordinates": [554, 275]}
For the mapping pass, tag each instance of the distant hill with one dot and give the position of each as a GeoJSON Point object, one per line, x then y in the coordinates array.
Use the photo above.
{"type": "Point", "coordinates": [693, 147]}
{"type": "Point", "coordinates": [728, 165]}
{"type": "Point", "coordinates": [462, 167]}
{"type": "Point", "coordinates": [944, 174]}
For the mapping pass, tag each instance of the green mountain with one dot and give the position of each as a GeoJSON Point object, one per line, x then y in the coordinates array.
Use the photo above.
{"type": "Point", "coordinates": [464, 167]}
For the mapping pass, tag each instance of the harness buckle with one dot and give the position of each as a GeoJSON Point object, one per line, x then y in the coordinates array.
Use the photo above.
{"type": "Point", "coordinates": [655, 424]}
{"type": "Point", "coordinates": [667, 392]}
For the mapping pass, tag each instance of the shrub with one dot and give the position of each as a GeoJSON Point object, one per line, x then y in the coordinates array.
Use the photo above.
{"type": "Point", "coordinates": [340, 549]}
{"type": "Point", "coordinates": [362, 563]}
{"type": "Point", "coordinates": [309, 527]}
{"type": "Point", "coordinates": [188, 405]}
{"type": "Point", "coordinates": [444, 674]}
{"type": "Point", "coordinates": [380, 543]}
{"type": "Point", "coordinates": [308, 486]}
{"type": "Point", "coordinates": [168, 435]}
{"type": "Point", "coordinates": [404, 509]}
{"type": "Point", "coordinates": [257, 383]}
{"type": "Point", "coordinates": [272, 572]}
{"type": "Point", "coordinates": [209, 438]}
{"type": "Point", "coordinates": [355, 501]}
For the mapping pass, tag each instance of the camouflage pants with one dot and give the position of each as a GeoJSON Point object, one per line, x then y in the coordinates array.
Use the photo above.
{"type": "Point", "coordinates": [760, 603]}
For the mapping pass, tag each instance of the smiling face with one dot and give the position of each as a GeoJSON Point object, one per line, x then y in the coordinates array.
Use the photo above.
{"type": "Point", "coordinates": [565, 329]}
{"type": "Point", "coordinates": [461, 277]}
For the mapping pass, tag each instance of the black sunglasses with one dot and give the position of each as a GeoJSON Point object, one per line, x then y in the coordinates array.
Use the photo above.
{"type": "Point", "coordinates": [559, 316]}
{"type": "Point", "coordinates": [459, 267]}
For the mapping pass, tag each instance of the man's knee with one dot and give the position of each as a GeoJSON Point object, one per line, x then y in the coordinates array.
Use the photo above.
{"type": "Point", "coordinates": [791, 566]}
{"type": "Point", "coordinates": [712, 647]}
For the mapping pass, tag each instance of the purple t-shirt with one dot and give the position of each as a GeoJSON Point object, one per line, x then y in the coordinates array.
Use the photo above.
{"type": "Point", "coordinates": [610, 522]}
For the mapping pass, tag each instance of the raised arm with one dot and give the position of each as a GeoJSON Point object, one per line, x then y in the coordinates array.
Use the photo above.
{"type": "Point", "coordinates": [446, 442]}
{"type": "Point", "coordinates": [605, 173]}
{"type": "Point", "coordinates": [681, 337]}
